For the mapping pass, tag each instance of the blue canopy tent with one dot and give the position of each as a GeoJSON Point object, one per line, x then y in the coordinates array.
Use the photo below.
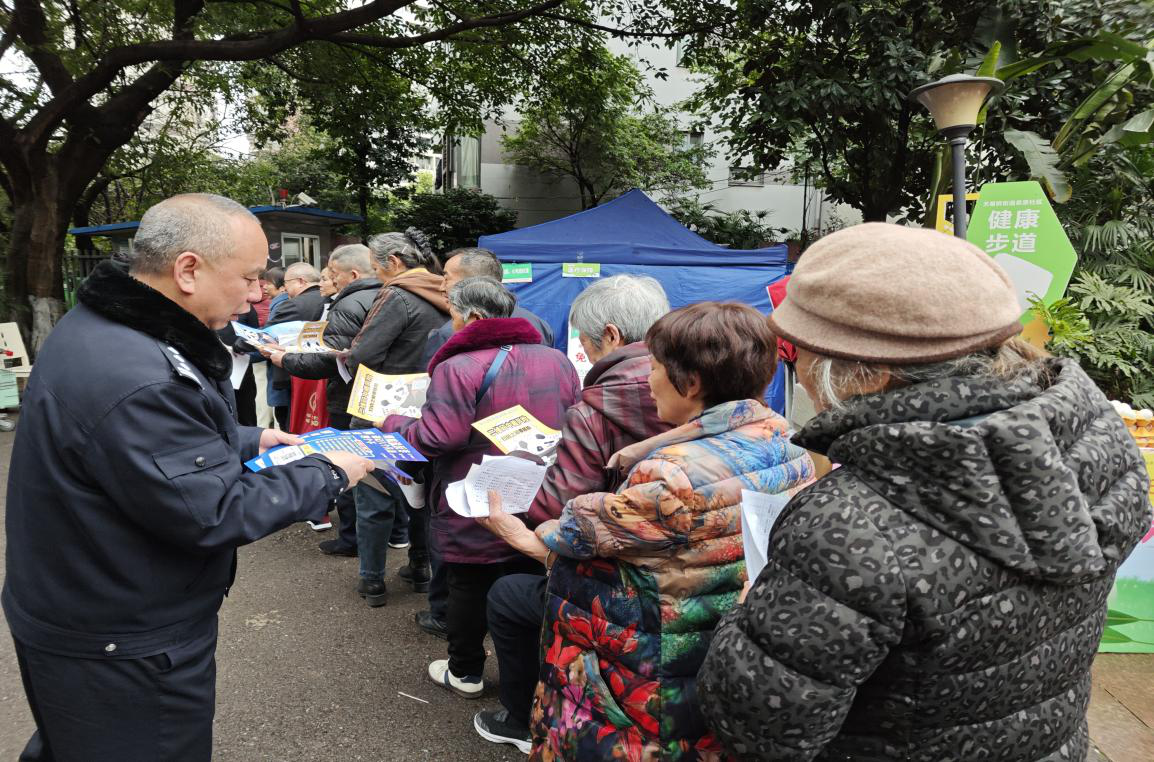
{"type": "Point", "coordinates": [632, 234]}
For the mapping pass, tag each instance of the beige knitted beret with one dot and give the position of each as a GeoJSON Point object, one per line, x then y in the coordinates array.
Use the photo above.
{"type": "Point", "coordinates": [893, 294]}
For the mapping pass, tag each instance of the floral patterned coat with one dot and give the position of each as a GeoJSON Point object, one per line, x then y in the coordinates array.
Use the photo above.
{"type": "Point", "coordinates": [642, 577]}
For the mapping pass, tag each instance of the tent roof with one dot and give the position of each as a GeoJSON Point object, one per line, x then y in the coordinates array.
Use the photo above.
{"type": "Point", "coordinates": [630, 229]}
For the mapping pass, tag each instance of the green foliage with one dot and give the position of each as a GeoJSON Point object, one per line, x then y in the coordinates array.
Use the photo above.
{"type": "Point", "coordinates": [455, 218]}
{"type": "Point", "coordinates": [824, 84]}
{"type": "Point", "coordinates": [1043, 162]}
{"type": "Point", "coordinates": [737, 230]}
{"type": "Point", "coordinates": [1110, 220]}
{"type": "Point", "coordinates": [827, 82]}
{"type": "Point", "coordinates": [592, 121]}
{"type": "Point", "coordinates": [1107, 320]}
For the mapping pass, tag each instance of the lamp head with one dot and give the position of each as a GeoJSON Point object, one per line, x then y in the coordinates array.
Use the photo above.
{"type": "Point", "coordinates": [954, 101]}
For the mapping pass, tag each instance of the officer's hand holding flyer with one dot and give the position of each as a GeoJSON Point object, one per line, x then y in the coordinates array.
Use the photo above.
{"type": "Point", "coordinates": [383, 449]}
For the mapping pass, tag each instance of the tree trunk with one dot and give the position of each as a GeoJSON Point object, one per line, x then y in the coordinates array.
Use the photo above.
{"type": "Point", "coordinates": [363, 205]}
{"type": "Point", "coordinates": [41, 211]}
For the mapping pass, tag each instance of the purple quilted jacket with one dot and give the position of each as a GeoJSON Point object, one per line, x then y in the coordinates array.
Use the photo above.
{"type": "Point", "coordinates": [537, 377]}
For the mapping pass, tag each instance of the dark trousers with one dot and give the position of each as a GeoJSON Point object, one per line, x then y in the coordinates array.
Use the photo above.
{"type": "Point", "coordinates": [346, 506]}
{"type": "Point", "coordinates": [376, 512]}
{"type": "Point", "coordinates": [246, 399]}
{"type": "Point", "coordinates": [466, 616]}
{"type": "Point", "coordinates": [439, 581]}
{"type": "Point", "coordinates": [516, 613]}
{"type": "Point", "coordinates": [121, 710]}
{"type": "Point", "coordinates": [281, 413]}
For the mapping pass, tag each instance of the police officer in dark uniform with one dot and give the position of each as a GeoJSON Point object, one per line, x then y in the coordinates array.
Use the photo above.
{"type": "Point", "coordinates": [127, 494]}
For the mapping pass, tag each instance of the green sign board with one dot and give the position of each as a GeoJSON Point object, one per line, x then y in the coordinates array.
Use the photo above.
{"type": "Point", "coordinates": [512, 273]}
{"type": "Point", "coordinates": [9, 395]}
{"type": "Point", "coordinates": [1015, 224]}
{"type": "Point", "coordinates": [581, 270]}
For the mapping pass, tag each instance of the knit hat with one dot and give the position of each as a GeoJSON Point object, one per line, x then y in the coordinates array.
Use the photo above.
{"type": "Point", "coordinates": [899, 295]}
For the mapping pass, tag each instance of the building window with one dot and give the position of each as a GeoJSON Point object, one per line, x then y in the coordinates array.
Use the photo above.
{"type": "Point", "coordinates": [467, 162]}
{"type": "Point", "coordinates": [296, 247]}
{"type": "Point", "coordinates": [691, 139]}
{"type": "Point", "coordinates": [746, 177]}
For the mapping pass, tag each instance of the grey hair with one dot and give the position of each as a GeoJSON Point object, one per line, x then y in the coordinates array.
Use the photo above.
{"type": "Point", "coordinates": [478, 263]}
{"type": "Point", "coordinates": [631, 302]}
{"type": "Point", "coordinates": [482, 298]}
{"type": "Point", "coordinates": [836, 380]}
{"type": "Point", "coordinates": [411, 247]}
{"type": "Point", "coordinates": [304, 271]}
{"type": "Point", "coordinates": [196, 222]}
{"type": "Point", "coordinates": [351, 256]}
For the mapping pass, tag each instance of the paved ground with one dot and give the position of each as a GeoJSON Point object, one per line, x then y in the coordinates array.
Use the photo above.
{"type": "Point", "coordinates": [307, 672]}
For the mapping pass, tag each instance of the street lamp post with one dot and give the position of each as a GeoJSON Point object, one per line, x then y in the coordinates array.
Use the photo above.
{"type": "Point", "coordinates": [954, 103]}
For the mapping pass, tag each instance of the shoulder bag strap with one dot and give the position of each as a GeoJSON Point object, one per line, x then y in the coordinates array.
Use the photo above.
{"type": "Point", "coordinates": [491, 373]}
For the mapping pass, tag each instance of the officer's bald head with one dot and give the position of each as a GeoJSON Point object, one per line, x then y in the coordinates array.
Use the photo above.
{"type": "Point", "coordinates": [202, 223]}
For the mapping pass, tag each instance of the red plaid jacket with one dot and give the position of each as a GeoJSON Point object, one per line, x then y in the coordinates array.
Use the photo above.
{"type": "Point", "coordinates": [615, 411]}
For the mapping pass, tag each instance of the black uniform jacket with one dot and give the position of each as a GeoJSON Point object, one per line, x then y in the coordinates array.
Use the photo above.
{"type": "Point", "coordinates": [127, 494]}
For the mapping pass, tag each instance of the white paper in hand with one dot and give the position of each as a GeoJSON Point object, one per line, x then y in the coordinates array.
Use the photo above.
{"type": "Point", "coordinates": [343, 369]}
{"type": "Point", "coordinates": [516, 480]}
{"type": "Point", "coordinates": [458, 502]}
{"type": "Point", "coordinates": [239, 368]}
{"type": "Point", "coordinates": [759, 512]}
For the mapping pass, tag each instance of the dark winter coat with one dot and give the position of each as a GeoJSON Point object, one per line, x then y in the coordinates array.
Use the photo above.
{"type": "Point", "coordinates": [393, 337]}
{"type": "Point", "coordinates": [308, 306]}
{"type": "Point", "coordinates": [345, 318]}
{"type": "Point", "coordinates": [127, 495]}
{"type": "Point", "coordinates": [615, 411]}
{"type": "Point", "coordinates": [438, 337]}
{"type": "Point", "coordinates": [942, 594]}
{"type": "Point", "coordinates": [539, 378]}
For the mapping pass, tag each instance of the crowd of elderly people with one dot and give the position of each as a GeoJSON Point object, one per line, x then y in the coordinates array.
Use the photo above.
{"type": "Point", "coordinates": [938, 594]}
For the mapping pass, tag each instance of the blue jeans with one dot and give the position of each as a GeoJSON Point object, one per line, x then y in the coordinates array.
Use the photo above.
{"type": "Point", "coordinates": [375, 513]}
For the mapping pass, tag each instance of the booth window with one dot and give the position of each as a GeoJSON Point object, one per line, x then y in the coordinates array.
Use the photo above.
{"type": "Point", "coordinates": [296, 247]}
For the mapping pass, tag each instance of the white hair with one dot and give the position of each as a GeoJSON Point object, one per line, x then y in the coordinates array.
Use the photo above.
{"type": "Point", "coordinates": [836, 380]}
{"type": "Point", "coordinates": [631, 302]}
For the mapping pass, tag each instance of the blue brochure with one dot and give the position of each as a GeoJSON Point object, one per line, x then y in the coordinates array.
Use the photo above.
{"type": "Point", "coordinates": [383, 449]}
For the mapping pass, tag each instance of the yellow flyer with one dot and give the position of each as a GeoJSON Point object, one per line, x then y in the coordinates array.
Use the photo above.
{"type": "Point", "coordinates": [376, 395]}
{"type": "Point", "coordinates": [516, 430]}
{"type": "Point", "coordinates": [311, 338]}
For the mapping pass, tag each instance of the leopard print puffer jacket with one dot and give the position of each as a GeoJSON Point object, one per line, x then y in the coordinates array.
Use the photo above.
{"type": "Point", "coordinates": [942, 594]}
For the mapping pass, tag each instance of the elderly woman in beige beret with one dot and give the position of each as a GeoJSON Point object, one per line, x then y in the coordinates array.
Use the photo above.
{"type": "Point", "coordinates": [941, 595]}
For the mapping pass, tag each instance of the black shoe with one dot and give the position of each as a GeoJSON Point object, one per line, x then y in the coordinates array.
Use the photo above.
{"type": "Point", "coordinates": [416, 575]}
{"type": "Point", "coordinates": [337, 548]}
{"type": "Point", "coordinates": [374, 593]}
{"type": "Point", "coordinates": [498, 727]}
{"type": "Point", "coordinates": [430, 625]}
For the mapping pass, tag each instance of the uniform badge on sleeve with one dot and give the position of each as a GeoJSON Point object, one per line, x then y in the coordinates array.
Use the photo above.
{"type": "Point", "coordinates": [182, 367]}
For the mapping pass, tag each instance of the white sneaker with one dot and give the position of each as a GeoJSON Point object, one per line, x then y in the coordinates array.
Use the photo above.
{"type": "Point", "coordinates": [469, 687]}
{"type": "Point", "coordinates": [320, 526]}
